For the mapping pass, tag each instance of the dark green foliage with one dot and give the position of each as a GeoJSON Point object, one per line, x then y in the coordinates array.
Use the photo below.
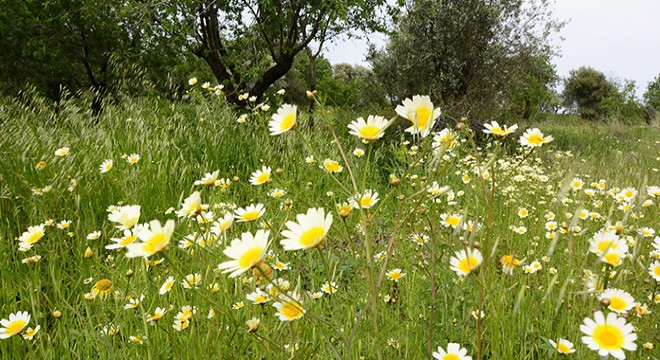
{"type": "Point", "coordinates": [587, 90]}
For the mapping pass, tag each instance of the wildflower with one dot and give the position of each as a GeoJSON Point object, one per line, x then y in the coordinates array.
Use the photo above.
{"type": "Point", "coordinates": [223, 224]}
{"type": "Point", "coordinates": [332, 166]}
{"type": "Point", "coordinates": [280, 266]}
{"type": "Point", "coordinates": [133, 159]}
{"type": "Point", "coordinates": [14, 324]}
{"type": "Point", "coordinates": [395, 275]}
{"type": "Point", "coordinates": [253, 324]}
{"type": "Point", "coordinates": [289, 308]}
{"type": "Point", "coordinates": [619, 300]}
{"type": "Point", "coordinates": [258, 297]}
{"type": "Point", "coordinates": [358, 152]}
{"type": "Point", "coordinates": [281, 91]}
{"type": "Point", "coordinates": [106, 166]}
{"type": "Point", "coordinates": [465, 261]}
{"type": "Point", "coordinates": [283, 120]}
{"type": "Point", "coordinates": [495, 129]}
{"type": "Point", "coordinates": [436, 189]}
{"type": "Point", "coordinates": [523, 213]}
{"type": "Point", "coordinates": [41, 165]}
{"type": "Point", "coordinates": [192, 281]}
{"type": "Point", "coordinates": [153, 239]}
{"type": "Point", "coordinates": [167, 286]}
{"type": "Point", "coordinates": [393, 343]}
{"type": "Point", "coordinates": [31, 237]}
{"type": "Point", "coordinates": [309, 232]}
{"type": "Point", "coordinates": [30, 332]}
{"type": "Point", "coordinates": [608, 336]}
{"type": "Point", "coordinates": [192, 81]}
{"type": "Point", "coordinates": [454, 352]}
{"type": "Point", "coordinates": [452, 220]}
{"type": "Point", "coordinates": [534, 138]}
{"type": "Point", "coordinates": [260, 177]}
{"type": "Point", "coordinates": [563, 346]}
{"type": "Point", "coordinates": [246, 252]}
{"type": "Point", "coordinates": [191, 206]}
{"type": "Point", "coordinates": [420, 112]}
{"type": "Point", "coordinates": [157, 315]}
{"type": "Point", "coordinates": [648, 346]}
{"type": "Point", "coordinates": [31, 259]}
{"type": "Point", "coordinates": [62, 152]}
{"type": "Point", "coordinates": [64, 224]}
{"type": "Point", "coordinates": [277, 193]}
{"type": "Point", "coordinates": [576, 184]}
{"type": "Point", "coordinates": [128, 238]}
{"type": "Point", "coordinates": [329, 287]}
{"type": "Point", "coordinates": [344, 209]}
{"type": "Point", "coordinates": [370, 130]}
{"type": "Point", "coordinates": [208, 178]}
{"type": "Point", "coordinates": [125, 216]}
{"type": "Point", "coordinates": [310, 159]}
{"type": "Point", "coordinates": [95, 235]}
{"type": "Point", "coordinates": [249, 213]}
{"type": "Point", "coordinates": [102, 287]}
{"type": "Point", "coordinates": [134, 303]}
{"type": "Point", "coordinates": [368, 199]}
{"type": "Point", "coordinates": [446, 139]}
{"type": "Point", "coordinates": [237, 306]}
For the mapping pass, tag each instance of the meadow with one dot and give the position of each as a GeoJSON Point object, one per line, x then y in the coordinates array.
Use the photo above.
{"type": "Point", "coordinates": [164, 230]}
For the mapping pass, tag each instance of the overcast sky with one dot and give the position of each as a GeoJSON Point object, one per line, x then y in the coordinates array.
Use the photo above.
{"type": "Point", "coordinates": [618, 37]}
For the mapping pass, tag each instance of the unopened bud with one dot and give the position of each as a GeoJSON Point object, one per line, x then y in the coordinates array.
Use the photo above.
{"type": "Point", "coordinates": [89, 253]}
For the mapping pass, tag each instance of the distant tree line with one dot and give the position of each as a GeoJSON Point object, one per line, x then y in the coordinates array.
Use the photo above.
{"type": "Point", "coordinates": [473, 57]}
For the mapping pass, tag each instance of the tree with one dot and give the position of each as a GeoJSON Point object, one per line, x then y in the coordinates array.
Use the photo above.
{"type": "Point", "coordinates": [588, 91]}
{"type": "Point", "coordinates": [467, 53]}
{"type": "Point", "coordinates": [250, 44]}
{"type": "Point", "coordinates": [652, 94]}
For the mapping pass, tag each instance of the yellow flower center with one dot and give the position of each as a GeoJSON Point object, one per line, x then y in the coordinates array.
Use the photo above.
{"type": "Point", "coordinates": [536, 139]}
{"type": "Point", "coordinates": [312, 237]}
{"type": "Point", "coordinates": [453, 221]}
{"type": "Point", "coordinates": [608, 337]}
{"type": "Point", "coordinates": [15, 327]}
{"type": "Point", "coordinates": [288, 122]}
{"type": "Point", "coordinates": [155, 244]}
{"type": "Point", "coordinates": [451, 357]}
{"type": "Point", "coordinates": [612, 258]}
{"type": "Point", "coordinates": [423, 115]}
{"type": "Point", "coordinates": [262, 178]}
{"type": "Point", "coordinates": [370, 132]}
{"type": "Point", "coordinates": [103, 286]}
{"type": "Point", "coordinates": [656, 271]}
{"type": "Point", "coordinates": [250, 258]}
{"type": "Point", "coordinates": [606, 245]}
{"type": "Point", "coordinates": [291, 311]}
{"type": "Point", "coordinates": [498, 131]}
{"type": "Point", "coordinates": [617, 304]}
{"type": "Point", "coordinates": [127, 240]}
{"type": "Point", "coordinates": [35, 237]}
{"type": "Point", "coordinates": [366, 202]}
{"type": "Point", "coordinates": [563, 348]}
{"type": "Point", "coordinates": [332, 166]}
{"type": "Point", "coordinates": [466, 265]}
{"type": "Point", "coordinates": [250, 215]}
{"type": "Point", "coordinates": [395, 276]}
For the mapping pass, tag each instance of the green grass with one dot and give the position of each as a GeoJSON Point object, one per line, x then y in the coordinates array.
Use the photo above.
{"type": "Point", "coordinates": [429, 307]}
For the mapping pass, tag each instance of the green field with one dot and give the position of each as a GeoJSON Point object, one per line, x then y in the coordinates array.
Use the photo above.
{"type": "Point", "coordinates": [512, 200]}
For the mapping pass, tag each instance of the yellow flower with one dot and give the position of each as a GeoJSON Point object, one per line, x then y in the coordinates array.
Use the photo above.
{"type": "Point", "coordinates": [332, 166]}
{"type": "Point", "coordinates": [246, 252]}
{"type": "Point", "coordinates": [14, 325]}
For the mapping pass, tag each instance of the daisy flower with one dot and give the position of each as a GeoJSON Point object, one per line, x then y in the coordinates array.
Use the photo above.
{"type": "Point", "coordinates": [283, 120]}
{"type": "Point", "coordinates": [30, 332]}
{"type": "Point", "coordinates": [370, 130]}
{"type": "Point", "coordinates": [395, 275]}
{"type": "Point", "coordinates": [654, 270]}
{"type": "Point", "coordinates": [133, 159]}
{"type": "Point", "coordinates": [253, 324]}
{"type": "Point", "coordinates": [208, 179]}
{"type": "Point", "coordinates": [94, 235]}
{"type": "Point", "coordinates": [191, 206]}
{"type": "Point", "coordinates": [223, 224]}
{"type": "Point", "coordinates": [608, 336]}
{"type": "Point", "coordinates": [619, 300]}
{"type": "Point", "coordinates": [289, 308]}
{"type": "Point", "coordinates": [501, 131]}
{"type": "Point", "coordinates": [534, 138]}
{"type": "Point", "coordinates": [308, 232]}
{"type": "Point", "coordinates": [452, 220]}
{"type": "Point", "coordinates": [258, 297]}
{"type": "Point", "coordinates": [153, 239]}
{"type": "Point", "coordinates": [31, 237]}
{"type": "Point", "coordinates": [128, 238]}
{"type": "Point", "coordinates": [61, 152]}
{"type": "Point", "coordinates": [192, 281]}
{"type": "Point", "coordinates": [106, 166]}
{"type": "Point", "coordinates": [249, 213]}
{"type": "Point", "coordinates": [463, 262]}
{"type": "Point", "coordinates": [563, 346]}
{"type": "Point", "coordinates": [261, 177]}
{"type": "Point", "coordinates": [102, 287]}
{"type": "Point", "coordinates": [454, 352]}
{"type": "Point", "coordinates": [167, 286]}
{"type": "Point", "coordinates": [126, 216]}
{"type": "Point", "coordinates": [509, 263]}
{"type": "Point", "coordinates": [14, 324]}
{"type": "Point", "coordinates": [446, 139]}
{"type": "Point", "coordinates": [157, 315]}
{"type": "Point", "coordinates": [329, 287]}
{"type": "Point", "coordinates": [332, 166]}
{"type": "Point", "coordinates": [246, 252]}
{"type": "Point", "coordinates": [368, 199]}
{"type": "Point", "coordinates": [420, 112]}
{"type": "Point", "coordinates": [358, 152]}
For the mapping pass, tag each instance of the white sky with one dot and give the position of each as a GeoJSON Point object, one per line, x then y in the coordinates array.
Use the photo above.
{"type": "Point", "coordinates": [618, 37]}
